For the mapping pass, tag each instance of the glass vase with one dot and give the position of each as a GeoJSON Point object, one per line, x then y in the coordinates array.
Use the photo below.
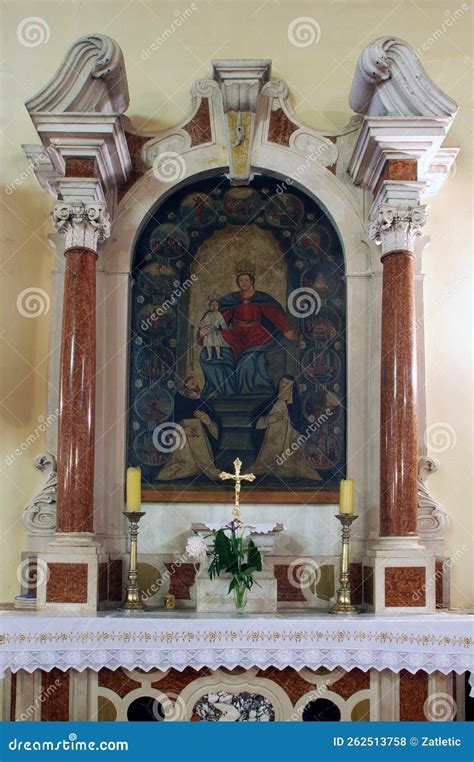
{"type": "Point", "coordinates": [240, 597]}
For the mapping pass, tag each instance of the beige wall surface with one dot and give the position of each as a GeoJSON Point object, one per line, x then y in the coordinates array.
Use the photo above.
{"type": "Point", "coordinates": [35, 36]}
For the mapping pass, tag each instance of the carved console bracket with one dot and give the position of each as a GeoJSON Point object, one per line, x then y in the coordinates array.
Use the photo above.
{"type": "Point", "coordinates": [433, 521]}
{"type": "Point", "coordinates": [39, 515]}
{"type": "Point", "coordinates": [240, 83]}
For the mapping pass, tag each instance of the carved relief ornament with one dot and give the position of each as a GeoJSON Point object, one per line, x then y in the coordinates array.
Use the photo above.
{"type": "Point", "coordinates": [39, 515]}
{"type": "Point", "coordinates": [395, 228]}
{"type": "Point", "coordinates": [84, 225]}
{"type": "Point", "coordinates": [433, 522]}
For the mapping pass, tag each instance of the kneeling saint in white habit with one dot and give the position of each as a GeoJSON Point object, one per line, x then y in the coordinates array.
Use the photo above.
{"type": "Point", "coordinates": [282, 423]}
{"type": "Point", "coordinates": [196, 450]}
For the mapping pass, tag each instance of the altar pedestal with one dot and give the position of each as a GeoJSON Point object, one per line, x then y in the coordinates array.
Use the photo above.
{"type": "Point", "coordinates": [212, 595]}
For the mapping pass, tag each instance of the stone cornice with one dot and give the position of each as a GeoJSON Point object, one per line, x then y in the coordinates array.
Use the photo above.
{"type": "Point", "coordinates": [382, 140]}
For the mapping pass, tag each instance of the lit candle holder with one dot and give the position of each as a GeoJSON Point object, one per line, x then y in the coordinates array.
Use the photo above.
{"type": "Point", "coordinates": [134, 489]}
{"type": "Point", "coordinates": [133, 595]}
{"type": "Point", "coordinates": [343, 604]}
{"type": "Point", "coordinates": [346, 496]}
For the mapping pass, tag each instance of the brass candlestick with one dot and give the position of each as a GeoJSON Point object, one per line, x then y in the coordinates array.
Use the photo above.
{"type": "Point", "coordinates": [133, 595]}
{"type": "Point", "coordinates": [343, 603]}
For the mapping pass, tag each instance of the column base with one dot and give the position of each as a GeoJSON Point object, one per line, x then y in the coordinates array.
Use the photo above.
{"type": "Point", "coordinates": [398, 576]}
{"type": "Point", "coordinates": [74, 574]}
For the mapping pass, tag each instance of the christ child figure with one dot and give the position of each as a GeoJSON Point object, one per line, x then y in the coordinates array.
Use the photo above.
{"type": "Point", "coordinates": [210, 328]}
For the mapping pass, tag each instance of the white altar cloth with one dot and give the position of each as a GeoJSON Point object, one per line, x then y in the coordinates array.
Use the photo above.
{"type": "Point", "coordinates": [160, 640]}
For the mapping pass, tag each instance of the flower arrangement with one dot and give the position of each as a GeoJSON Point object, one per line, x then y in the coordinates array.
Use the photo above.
{"type": "Point", "coordinates": [233, 553]}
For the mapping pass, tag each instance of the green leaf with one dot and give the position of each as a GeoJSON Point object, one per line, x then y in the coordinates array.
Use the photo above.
{"type": "Point", "coordinates": [253, 556]}
{"type": "Point", "coordinates": [225, 558]}
{"type": "Point", "coordinates": [214, 568]}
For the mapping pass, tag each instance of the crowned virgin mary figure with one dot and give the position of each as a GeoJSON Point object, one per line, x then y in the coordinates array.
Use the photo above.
{"type": "Point", "coordinates": [254, 323]}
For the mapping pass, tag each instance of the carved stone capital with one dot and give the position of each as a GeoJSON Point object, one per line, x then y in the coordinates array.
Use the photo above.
{"type": "Point", "coordinates": [395, 228]}
{"type": "Point", "coordinates": [433, 521]}
{"type": "Point", "coordinates": [39, 515]}
{"type": "Point", "coordinates": [82, 224]}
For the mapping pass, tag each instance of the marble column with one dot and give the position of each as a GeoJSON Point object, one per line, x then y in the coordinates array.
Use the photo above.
{"type": "Point", "coordinates": [395, 229]}
{"type": "Point", "coordinates": [83, 224]}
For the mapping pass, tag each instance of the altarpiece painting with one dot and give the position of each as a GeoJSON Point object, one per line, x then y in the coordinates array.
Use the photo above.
{"type": "Point", "coordinates": [238, 344]}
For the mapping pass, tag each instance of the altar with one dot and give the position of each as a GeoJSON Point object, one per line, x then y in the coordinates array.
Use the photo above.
{"type": "Point", "coordinates": [291, 667]}
{"type": "Point", "coordinates": [240, 285]}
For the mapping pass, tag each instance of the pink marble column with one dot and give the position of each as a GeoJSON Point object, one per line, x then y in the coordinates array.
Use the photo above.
{"type": "Point", "coordinates": [396, 228]}
{"type": "Point", "coordinates": [84, 225]}
{"type": "Point", "coordinates": [398, 416]}
{"type": "Point", "coordinates": [77, 394]}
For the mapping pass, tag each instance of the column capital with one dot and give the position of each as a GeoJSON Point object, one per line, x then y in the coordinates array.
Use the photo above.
{"type": "Point", "coordinates": [83, 224]}
{"type": "Point", "coordinates": [395, 228]}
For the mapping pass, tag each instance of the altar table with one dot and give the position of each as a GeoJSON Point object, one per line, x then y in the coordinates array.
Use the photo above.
{"type": "Point", "coordinates": [31, 640]}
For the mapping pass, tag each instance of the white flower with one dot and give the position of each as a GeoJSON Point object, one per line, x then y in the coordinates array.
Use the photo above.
{"type": "Point", "coordinates": [196, 548]}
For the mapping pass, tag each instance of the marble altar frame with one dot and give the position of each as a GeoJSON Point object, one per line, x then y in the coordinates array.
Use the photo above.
{"type": "Point", "coordinates": [371, 178]}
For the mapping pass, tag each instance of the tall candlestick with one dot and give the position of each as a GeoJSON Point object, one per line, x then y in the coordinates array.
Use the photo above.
{"type": "Point", "coordinates": [133, 595]}
{"type": "Point", "coordinates": [343, 603]}
{"type": "Point", "coordinates": [134, 489]}
{"type": "Point", "coordinates": [346, 496]}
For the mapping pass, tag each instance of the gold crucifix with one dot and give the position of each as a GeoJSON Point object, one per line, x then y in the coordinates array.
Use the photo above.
{"type": "Point", "coordinates": [238, 478]}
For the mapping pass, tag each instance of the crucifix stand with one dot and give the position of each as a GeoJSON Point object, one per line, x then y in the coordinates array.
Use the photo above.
{"type": "Point", "coordinates": [212, 595]}
{"type": "Point", "coordinates": [238, 478]}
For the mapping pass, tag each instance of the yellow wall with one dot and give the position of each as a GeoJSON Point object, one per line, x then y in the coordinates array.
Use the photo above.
{"type": "Point", "coordinates": [319, 76]}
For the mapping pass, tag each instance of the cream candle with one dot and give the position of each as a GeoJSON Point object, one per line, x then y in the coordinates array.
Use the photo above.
{"type": "Point", "coordinates": [134, 489]}
{"type": "Point", "coordinates": [346, 496]}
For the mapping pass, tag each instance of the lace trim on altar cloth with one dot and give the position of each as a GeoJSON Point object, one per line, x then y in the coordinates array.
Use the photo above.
{"type": "Point", "coordinates": [441, 643]}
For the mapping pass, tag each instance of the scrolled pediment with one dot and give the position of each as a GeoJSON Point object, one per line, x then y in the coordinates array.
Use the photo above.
{"type": "Point", "coordinates": [91, 78]}
{"type": "Point", "coordinates": [390, 80]}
